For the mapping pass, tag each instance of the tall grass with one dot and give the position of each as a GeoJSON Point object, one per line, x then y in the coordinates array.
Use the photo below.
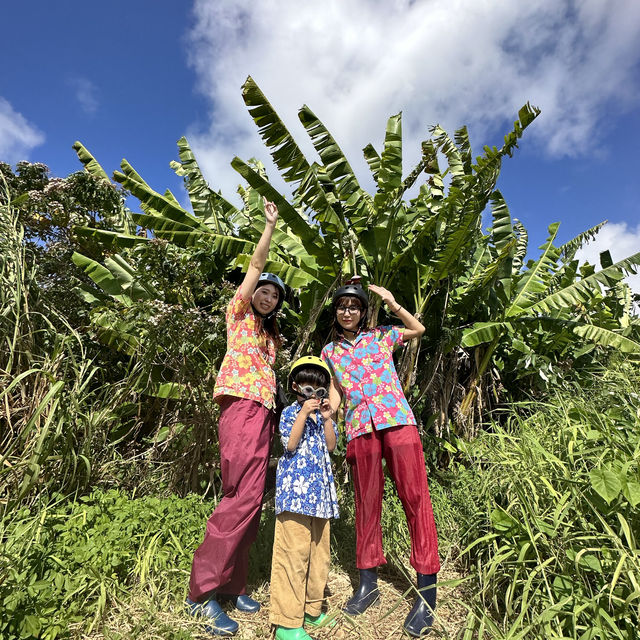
{"type": "Point", "coordinates": [48, 404]}
{"type": "Point", "coordinates": [553, 541]}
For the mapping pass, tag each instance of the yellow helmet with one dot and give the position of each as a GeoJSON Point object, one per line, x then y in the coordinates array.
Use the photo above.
{"type": "Point", "coordinates": [308, 361]}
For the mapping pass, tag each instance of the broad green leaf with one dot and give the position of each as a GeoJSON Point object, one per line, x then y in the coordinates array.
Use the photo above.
{"type": "Point", "coordinates": [286, 154]}
{"type": "Point", "coordinates": [390, 171]}
{"type": "Point", "coordinates": [606, 338]}
{"type": "Point", "coordinates": [533, 280]}
{"type": "Point", "coordinates": [111, 239]}
{"type": "Point", "coordinates": [581, 291]}
{"type": "Point", "coordinates": [89, 162]}
{"type": "Point", "coordinates": [606, 483]}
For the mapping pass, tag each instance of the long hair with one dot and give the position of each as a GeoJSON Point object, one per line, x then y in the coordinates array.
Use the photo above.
{"type": "Point", "coordinates": [269, 327]}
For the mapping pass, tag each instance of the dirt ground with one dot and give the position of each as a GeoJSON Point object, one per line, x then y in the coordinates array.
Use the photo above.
{"type": "Point", "coordinates": [149, 616]}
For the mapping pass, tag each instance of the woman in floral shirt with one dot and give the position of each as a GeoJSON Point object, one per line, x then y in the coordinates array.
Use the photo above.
{"type": "Point", "coordinates": [380, 424]}
{"type": "Point", "coordinates": [305, 501]}
{"type": "Point", "coordinates": [245, 389]}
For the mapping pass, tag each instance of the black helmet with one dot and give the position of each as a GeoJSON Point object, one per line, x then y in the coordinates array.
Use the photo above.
{"type": "Point", "coordinates": [354, 290]}
{"type": "Point", "coordinates": [276, 281]}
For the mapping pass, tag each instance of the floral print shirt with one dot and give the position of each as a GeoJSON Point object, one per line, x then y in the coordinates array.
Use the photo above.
{"type": "Point", "coordinates": [246, 368]}
{"type": "Point", "coordinates": [366, 374]}
{"type": "Point", "coordinates": [304, 477]}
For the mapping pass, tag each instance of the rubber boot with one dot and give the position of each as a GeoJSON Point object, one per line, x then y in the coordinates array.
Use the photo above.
{"type": "Point", "coordinates": [365, 595]}
{"type": "Point", "coordinates": [218, 622]}
{"type": "Point", "coordinates": [321, 620]}
{"type": "Point", "coordinates": [285, 633]}
{"type": "Point", "coordinates": [241, 603]}
{"type": "Point", "coordinates": [418, 622]}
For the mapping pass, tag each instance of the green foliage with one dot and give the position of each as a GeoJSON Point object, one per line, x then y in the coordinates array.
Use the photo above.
{"type": "Point", "coordinates": [552, 544]}
{"type": "Point", "coordinates": [65, 563]}
{"type": "Point", "coordinates": [494, 322]}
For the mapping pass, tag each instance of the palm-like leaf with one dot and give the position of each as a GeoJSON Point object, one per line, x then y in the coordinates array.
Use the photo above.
{"type": "Point", "coordinates": [584, 290]}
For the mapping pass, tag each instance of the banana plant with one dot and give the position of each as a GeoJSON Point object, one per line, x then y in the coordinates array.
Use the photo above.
{"type": "Point", "coordinates": [471, 289]}
{"type": "Point", "coordinates": [548, 293]}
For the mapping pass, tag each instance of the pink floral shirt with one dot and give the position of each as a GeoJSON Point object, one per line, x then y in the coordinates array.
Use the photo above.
{"type": "Point", "coordinates": [246, 370]}
{"type": "Point", "coordinates": [365, 372]}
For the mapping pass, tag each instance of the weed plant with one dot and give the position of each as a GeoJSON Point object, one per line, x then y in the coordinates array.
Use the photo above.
{"type": "Point", "coordinates": [552, 542]}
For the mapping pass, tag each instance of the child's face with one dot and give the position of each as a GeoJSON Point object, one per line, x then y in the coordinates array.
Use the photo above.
{"type": "Point", "coordinates": [265, 298]}
{"type": "Point", "coordinates": [349, 312]}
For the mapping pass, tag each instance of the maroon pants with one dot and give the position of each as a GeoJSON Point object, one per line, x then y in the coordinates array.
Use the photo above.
{"type": "Point", "coordinates": [221, 562]}
{"type": "Point", "coordinates": [402, 450]}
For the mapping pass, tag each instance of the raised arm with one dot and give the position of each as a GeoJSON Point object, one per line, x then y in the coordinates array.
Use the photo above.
{"type": "Point", "coordinates": [413, 328]}
{"type": "Point", "coordinates": [259, 257]}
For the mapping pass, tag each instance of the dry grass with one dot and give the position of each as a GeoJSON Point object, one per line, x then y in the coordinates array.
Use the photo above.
{"type": "Point", "coordinates": [150, 616]}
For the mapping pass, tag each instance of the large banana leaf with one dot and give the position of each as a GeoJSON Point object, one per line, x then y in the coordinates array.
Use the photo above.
{"type": "Point", "coordinates": [569, 249]}
{"type": "Point", "coordinates": [107, 281]}
{"type": "Point", "coordinates": [339, 171]}
{"type": "Point", "coordinates": [390, 170]}
{"type": "Point", "coordinates": [209, 206]}
{"type": "Point", "coordinates": [293, 276]}
{"type": "Point", "coordinates": [535, 279]}
{"type": "Point", "coordinates": [89, 162]}
{"type": "Point", "coordinates": [111, 239]}
{"type": "Point", "coordinates": [155, 203]}
{"type": "Point", "coordinates": [483, 332]}
{"type": "Point", "coordinates": [286, 154]}
{"type": "Point", "coordinates": [581, 291]}
{"type": "Point", "coordinates": [308, 235]}
{"type": "Point", "coordinates": [606, 338]}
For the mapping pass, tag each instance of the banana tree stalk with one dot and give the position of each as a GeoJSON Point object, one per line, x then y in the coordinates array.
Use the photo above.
{"type": "Point", "coordinates": [484, 363]}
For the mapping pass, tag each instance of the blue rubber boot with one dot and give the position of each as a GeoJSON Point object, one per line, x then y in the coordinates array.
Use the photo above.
{"type": "Point", "coordinates": [217, 621]}
{"type": "Point", "coordinates": [418, 622]}
{"type": "Point", "coordinates": [241, 603]}
{"type": "Point", "coordinates": [365, 595]}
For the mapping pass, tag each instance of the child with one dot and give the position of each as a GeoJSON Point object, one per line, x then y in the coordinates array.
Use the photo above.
{"type": "Point", "coordinates": [245, 389]}
{"type": "Point", "coordinates": [380, 424]}
{"type": "Point", "coordinates": [305, 501]}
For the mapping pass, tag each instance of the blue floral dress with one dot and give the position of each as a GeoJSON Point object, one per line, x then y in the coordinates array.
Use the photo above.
{"type": "Point", "coordinates": [304, 478]}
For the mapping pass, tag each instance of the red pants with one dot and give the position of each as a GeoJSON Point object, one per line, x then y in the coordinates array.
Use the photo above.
{"type": "Point", "coordinates": [402, 450]}
{"type": "Point", "coordinates": [221, 562]}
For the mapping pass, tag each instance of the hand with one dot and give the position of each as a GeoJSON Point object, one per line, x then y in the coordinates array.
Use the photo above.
{"type": "Point", "coordinates": [325, 409]}
{"type": "Point", "coordinates": [386, 295]}
{"type": "Point", "coordinates": [270, 212]}
{"type": "Point", "coordinates": [310, 405]}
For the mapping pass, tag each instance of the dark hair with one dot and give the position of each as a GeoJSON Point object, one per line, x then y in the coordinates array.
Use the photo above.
{"type": "Point", "coordinates": [268, 326]}
{"type": "Point", "coordinates": [312, 375]}
{"type": "Point", "coordinates": [336, 329]}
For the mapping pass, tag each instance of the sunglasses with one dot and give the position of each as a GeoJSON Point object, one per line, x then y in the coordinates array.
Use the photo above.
{"type": "Point", "coordinates": [308, 392]}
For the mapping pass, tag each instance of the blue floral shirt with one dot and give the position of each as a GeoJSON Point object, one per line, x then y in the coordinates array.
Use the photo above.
{"type": "Point", "coordinates": [304, 478]}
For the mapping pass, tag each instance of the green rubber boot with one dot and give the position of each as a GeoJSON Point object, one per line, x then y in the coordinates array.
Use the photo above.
{"type": "Point", "coordinates": [284, 633]}
{"type": "Point", "coordinates": [321, 620]}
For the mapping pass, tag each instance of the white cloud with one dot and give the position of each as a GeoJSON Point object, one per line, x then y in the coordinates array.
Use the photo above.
{"type": "Point", "coordinates": [17, 135]}
{"type": "Point", "coordinates": [622, 240]}
{"type": "Point", "coordinates": [453, 62]}
{"type": "Point", "coordinates": [86, 94]}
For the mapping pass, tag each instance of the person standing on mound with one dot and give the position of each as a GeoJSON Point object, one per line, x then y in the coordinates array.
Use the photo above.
{"type": "Point", "coordinates": [245, 390]}
{"type": "Point", "coordinates": [380, 424]}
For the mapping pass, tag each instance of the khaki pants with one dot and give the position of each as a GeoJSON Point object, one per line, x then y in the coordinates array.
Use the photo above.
{"type": "Point", "coordinates": [299, 568]}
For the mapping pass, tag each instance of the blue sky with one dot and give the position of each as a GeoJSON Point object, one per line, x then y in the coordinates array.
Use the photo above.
{"type": "Point", "coordinates": [128, 79]}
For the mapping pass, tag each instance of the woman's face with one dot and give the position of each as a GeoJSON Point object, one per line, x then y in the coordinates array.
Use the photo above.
{"type": "Point", "coordinates": [265, 298]}
{"type": "Point", "coordinates": [349, 312]}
